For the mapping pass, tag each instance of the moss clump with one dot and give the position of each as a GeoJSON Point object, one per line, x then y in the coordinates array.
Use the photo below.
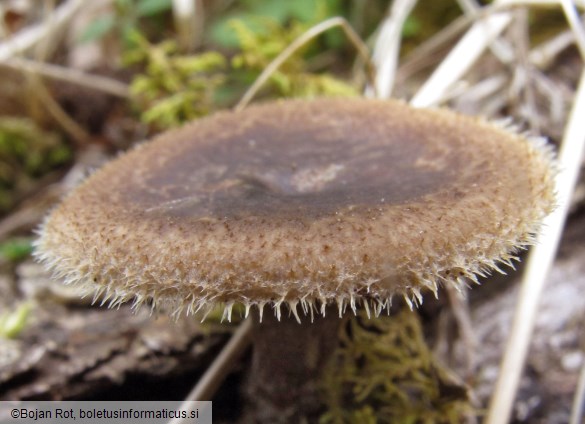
{"type": "Point", "coordinates": [174, 88]}
{"type": "Point", "coordinates": [384, 372]}
{"type": "Point", "coordinates": [27, 152]}
{"type": "Point", "coordinates": [293, 78]}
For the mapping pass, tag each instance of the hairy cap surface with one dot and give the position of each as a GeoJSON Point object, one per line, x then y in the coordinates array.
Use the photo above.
{"type": "Point", "coordinates": [302, 202]}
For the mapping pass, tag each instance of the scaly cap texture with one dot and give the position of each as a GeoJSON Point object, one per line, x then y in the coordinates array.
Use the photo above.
{"type": "Point", "coordinates": [302, 203]}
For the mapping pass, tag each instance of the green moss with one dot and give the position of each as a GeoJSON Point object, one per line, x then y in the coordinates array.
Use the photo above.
{"type": "Point", "coordinates": [173, 88]}
{"type": "Point", "coordinates": [383, 372]}
{"type": "Point", "coordinates": [27, 152]}
{"type": "Point", "coordinates": [263, 42]}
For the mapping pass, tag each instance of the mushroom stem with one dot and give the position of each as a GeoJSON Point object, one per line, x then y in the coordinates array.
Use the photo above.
{"type": "Point", "coordinates": [287, 361]}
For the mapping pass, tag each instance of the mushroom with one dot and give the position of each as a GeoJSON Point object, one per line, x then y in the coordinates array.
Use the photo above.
{"type": "Point", "coordinates": [302, 204]}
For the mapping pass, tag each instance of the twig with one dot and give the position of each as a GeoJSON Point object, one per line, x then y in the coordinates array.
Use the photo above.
{"type": "Point", "coordinates": [499, 47]}
{"type": "Point", "coordinates": [542, 55]}
{"type": "Point", "coordinates": [32, 36]}
{"type": "Point", "coordinates": [577, 3]}
{"type": "Point", "coordinates": [579, 401]}
{"type": "Point", "coordinates": [29, 37]}
{"type": "Point", "coordinates": [216, 373]}
{"type": "Point", "coordinates": [521, 90]}
{"type": "Point", "coordinates": [461, 58]}
{"type": "Point", "coordinates": [96, 82]}
{"type": "Point", "coordinates": [539, 262]}
{"type": "Point", "coordinates": [298, 43]}
{"type": "Point", "coordinates": [493, 20]}
{"type": "Point", "coordinates": [46, 44]}
{"type": "Point", "coordinates": [429, 48]}
{"type": "Point", "coordinates": [387, 47]}
{"type": "Point", "coordinates": [480, 91]}
{"type": "Point", "coordinates": [423, 55]}
{"type": "Point", "coordinates": [77, 133]}
{"type": "Point", "coordinates": [575, 23]}
{"type": "Point", "coordinates": [187, 14]}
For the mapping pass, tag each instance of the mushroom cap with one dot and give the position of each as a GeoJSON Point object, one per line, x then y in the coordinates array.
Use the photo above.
{"type": "Point", "coordinates": [302, 202]}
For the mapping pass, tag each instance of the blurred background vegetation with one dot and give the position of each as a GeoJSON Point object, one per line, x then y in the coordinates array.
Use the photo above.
{"type": "Point", "coordinates": [44, 121]}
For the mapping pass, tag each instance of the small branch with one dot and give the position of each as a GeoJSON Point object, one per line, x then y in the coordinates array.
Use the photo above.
{"type": "Point", "coordinates": [387, 47]}
{"type": "Point", "coordinates": [499, 47]}
{"type": "Point", "coordinates": [521, 90]}
{"type": "Point", "coordinates": [29, 37]}
{"type": "Point", "coordinates": [539, 262]}
{"type": "Point", "coordinates": [575, 23]}
{"type": "Point", "coordinates": [298, 43]}
{"type": "Point", "coordinates": [543, 55]}
{"type": "Point", "coordinates": [187, 15]}
{"type": "Point", "coordinates": [579, 401]}
{"type": "Point", "coordinates": [490, 21]}
{"type": "Point", "coordinates": [423, 55]}
{"type": "Point", "coordinates": [96, 82]}
{"type": "Point", "coordinates": [461, 58]}
{"type": "Point", "coordinates": [77, 133]}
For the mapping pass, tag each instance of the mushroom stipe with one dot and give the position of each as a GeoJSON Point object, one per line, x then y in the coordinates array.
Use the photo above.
{"type": "Point", "coordinates": [302, 203]}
